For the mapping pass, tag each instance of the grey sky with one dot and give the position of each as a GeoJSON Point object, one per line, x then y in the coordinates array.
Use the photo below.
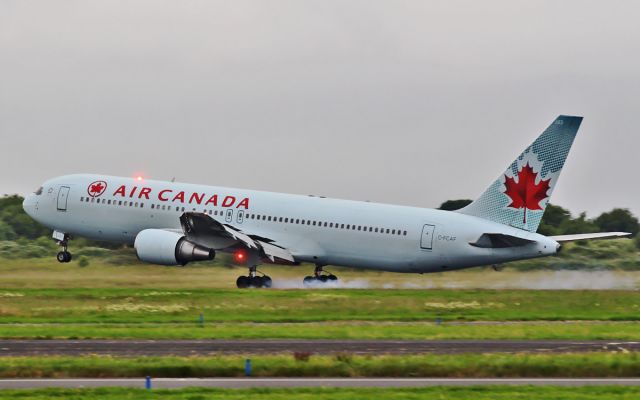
{"type": "Point", "coordinates": [409, 102]}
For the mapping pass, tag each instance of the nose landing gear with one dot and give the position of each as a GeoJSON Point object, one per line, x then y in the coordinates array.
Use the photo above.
{"type": "Point", "coordinates": [253, 280]}
{"type": "Point", "coordinates": [63, 240]}
{"type": "Point", "coordinates": [319, 277]}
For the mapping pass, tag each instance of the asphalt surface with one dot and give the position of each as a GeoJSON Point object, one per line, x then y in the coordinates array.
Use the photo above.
{"type": "Point", "coordinates": [205, 347]}
{"type": "Point", "coordinates": [239, 383]}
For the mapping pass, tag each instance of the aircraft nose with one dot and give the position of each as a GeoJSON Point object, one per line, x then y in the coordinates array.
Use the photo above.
{"type": "Point", "coordinates": [28, 204]}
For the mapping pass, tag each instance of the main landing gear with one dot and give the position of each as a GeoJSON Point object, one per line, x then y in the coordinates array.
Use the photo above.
{"type": "Point", "coordinates": [319, 277]}
{"type": "Point", "coordinates": [253, 280]}
{"type": "Point", "coordinates": [63, 240]}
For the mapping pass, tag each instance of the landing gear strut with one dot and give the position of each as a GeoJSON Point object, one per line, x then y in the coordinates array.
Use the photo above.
{"type": "Point", "coordinates": [63, 240]}
{"type": "Point", "coordinates": [319, 276]}
{"type": "Point", "coordinates": [253, 280]}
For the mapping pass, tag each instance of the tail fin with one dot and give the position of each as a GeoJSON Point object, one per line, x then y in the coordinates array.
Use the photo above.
{"type": "Point", "coordinates": [519, 196]}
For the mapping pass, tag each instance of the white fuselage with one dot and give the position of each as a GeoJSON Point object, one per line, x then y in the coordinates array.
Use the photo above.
{"type": "Point", "coordinates": [314, 229]}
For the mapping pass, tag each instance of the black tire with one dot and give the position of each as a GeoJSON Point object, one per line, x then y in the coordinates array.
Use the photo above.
{"type": "Point", "coordinates": [323, 278]}
{"type": "Point", "coordinates": [267, 282]}
{"type": "Point", "coordinates": [243, 282]}
{"type": "Point", "coordinates": [256, 282]}
{"type": "Point", "coordinates": [332, 277]}
{"type": "Point", "coordinates": [61, 257]}
{"type": "Point", "coordinates": [308, 280]}
{"type": "Point", "coordinates": [68, 256]}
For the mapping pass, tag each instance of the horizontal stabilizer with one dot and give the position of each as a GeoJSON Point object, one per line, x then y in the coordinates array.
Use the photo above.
{"type": "Point", "coordinates": [586, 236]}
{"type": "Point", "coordinates": [499, 241]}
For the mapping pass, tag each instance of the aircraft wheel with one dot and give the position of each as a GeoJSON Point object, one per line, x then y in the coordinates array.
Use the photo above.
{"type": "Point", "coordinates": [256, 282]}
{"type": "Point", "coordinates": [63, 257]}
{"type": "Point", "coordinates": [267, 282]}
{"type": "Point", "coordinates": [323, 278]}
{"type": "Point", "coordinates": [308, 280]}
{"type": "Point", "coordinates": [243, 282]}
{"type": "Point", "coordinates": [332, 277]}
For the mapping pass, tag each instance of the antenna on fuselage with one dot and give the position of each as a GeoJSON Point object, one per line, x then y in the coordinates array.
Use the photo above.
{"type": "Point", "coordinates": [173, 179]}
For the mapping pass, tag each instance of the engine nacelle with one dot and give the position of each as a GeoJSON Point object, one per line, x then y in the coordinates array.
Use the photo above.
{"type": "Point", "coordinates": [169, 248]}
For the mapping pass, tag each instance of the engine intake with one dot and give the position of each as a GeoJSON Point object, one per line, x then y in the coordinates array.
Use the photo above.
{"type": "Point", "coordinates": [158, 246]}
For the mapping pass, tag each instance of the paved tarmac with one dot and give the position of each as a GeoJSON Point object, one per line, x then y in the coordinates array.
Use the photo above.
{"type": "Point", "coordinates": [205, 347]}
{"type": "Point", "coordinates": [239, 383]}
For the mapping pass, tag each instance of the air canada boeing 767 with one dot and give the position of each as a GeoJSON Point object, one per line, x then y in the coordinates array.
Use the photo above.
{"type": "Point", "coordinates": [174, 223]}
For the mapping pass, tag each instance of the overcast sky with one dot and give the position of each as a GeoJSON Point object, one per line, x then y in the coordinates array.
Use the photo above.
{"type": "Point", "coordinates": [408, 102]}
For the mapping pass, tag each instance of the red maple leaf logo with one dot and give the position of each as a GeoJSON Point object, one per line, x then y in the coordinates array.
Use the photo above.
{"type": "Point", "coordinates": [96, 188]}
{"type": "Point", "coordinates": [526, 193]}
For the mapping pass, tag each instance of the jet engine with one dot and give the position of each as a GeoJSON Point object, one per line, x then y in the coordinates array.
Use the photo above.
{"type": "Point", "coordinates": [158, 246]}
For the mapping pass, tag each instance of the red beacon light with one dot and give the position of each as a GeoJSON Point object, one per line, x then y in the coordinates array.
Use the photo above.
{"type": "Point", "coordinates": [239, 256]}
{"type": "Point", "coordinates": [139, 178]}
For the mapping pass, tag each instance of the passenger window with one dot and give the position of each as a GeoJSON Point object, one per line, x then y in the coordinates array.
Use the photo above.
{"type": "Point", "coordinates": [297, 221]}
{"type": "Point", "coordinates": [387, 231]}
{"type": "Point", "coordinates": [405, 233]}
{"type": "Point", "coordinates": [341, 226]}
{"type": "Point", "coordinates": [141, 205]}
{"type": "Point", "coordinates": [393, 232]}
{"type": "Point", "coordinates": [348, 226]}
{"type": "Point", "coordinates": [331, 225]}
{"type": "Point", "coordinates": [359, 227]}
{"type": "Point", "coordinates": [81, 198]}
{"type": "Point", "coordinates": [120, 202]}
{"type": "Point", "coordinates": [286, 220]}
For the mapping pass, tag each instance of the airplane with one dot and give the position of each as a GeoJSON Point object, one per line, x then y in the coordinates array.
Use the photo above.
{"type": "Point", "coordinates": [171, 223]}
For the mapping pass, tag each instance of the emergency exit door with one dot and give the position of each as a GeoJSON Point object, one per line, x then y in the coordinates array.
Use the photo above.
{"type": "Point", "coordinates": [426, 242]}
{"type": "Point", "coordinates": [63, 196]}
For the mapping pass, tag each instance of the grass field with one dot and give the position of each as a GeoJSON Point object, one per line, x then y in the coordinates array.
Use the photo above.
{"type": "Point", "coordinates": [337, 313]}
{"type": "Point", "coordinates": [101, 273]}
{"type": "Point", "coordinates": [341, 365]}
{"type": "Point", "coordinates": [232, 305]}
{"type": "Point", "coordinates": [40, 298]}
{"type": "Point", "coordinates": [441, 393]}
{"type": "Point", "coordinates": [327, 330]}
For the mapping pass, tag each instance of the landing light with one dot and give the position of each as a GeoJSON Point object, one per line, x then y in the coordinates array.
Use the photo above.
{"type": "Point", "coordinates": [139, 178]}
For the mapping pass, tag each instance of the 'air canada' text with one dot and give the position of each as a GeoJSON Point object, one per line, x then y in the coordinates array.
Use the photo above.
{"type": "Point", "coordinates": [183, 197]}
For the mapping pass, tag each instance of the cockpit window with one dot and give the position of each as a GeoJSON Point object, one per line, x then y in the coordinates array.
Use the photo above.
{"type": "Point", "coordinates": [39, 191]}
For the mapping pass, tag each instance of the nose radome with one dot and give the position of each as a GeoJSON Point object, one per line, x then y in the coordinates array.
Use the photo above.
{"type": "Point", "coordinates": [28, 205]}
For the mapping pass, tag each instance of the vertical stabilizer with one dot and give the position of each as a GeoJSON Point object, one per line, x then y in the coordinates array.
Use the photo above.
{"type": "Point", "coordinates": [520, 195]}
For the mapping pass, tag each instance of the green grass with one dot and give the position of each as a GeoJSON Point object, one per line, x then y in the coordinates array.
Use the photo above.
{"type": "Point", "coordinates": [316, 314]}
{"type": "Point", "coordinates": [340, 365]}
{"type": "Point", "coordinates": [232, 305]}
{"type": "Point", "coordinates": [328, 330]}
{"type": "Point", "coordinates": [440, 393]}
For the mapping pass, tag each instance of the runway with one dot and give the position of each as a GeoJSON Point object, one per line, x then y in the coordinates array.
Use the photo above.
{"type": "Point", "coordinates": [365, 347]}
{"type": "Point", "coordinates": [244, 383]}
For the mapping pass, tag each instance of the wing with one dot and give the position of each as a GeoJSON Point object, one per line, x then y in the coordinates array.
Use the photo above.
{"type": "Point", "coordinates": [585, 236]}
{"type": "Point", "coordinates": [204, 230]}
